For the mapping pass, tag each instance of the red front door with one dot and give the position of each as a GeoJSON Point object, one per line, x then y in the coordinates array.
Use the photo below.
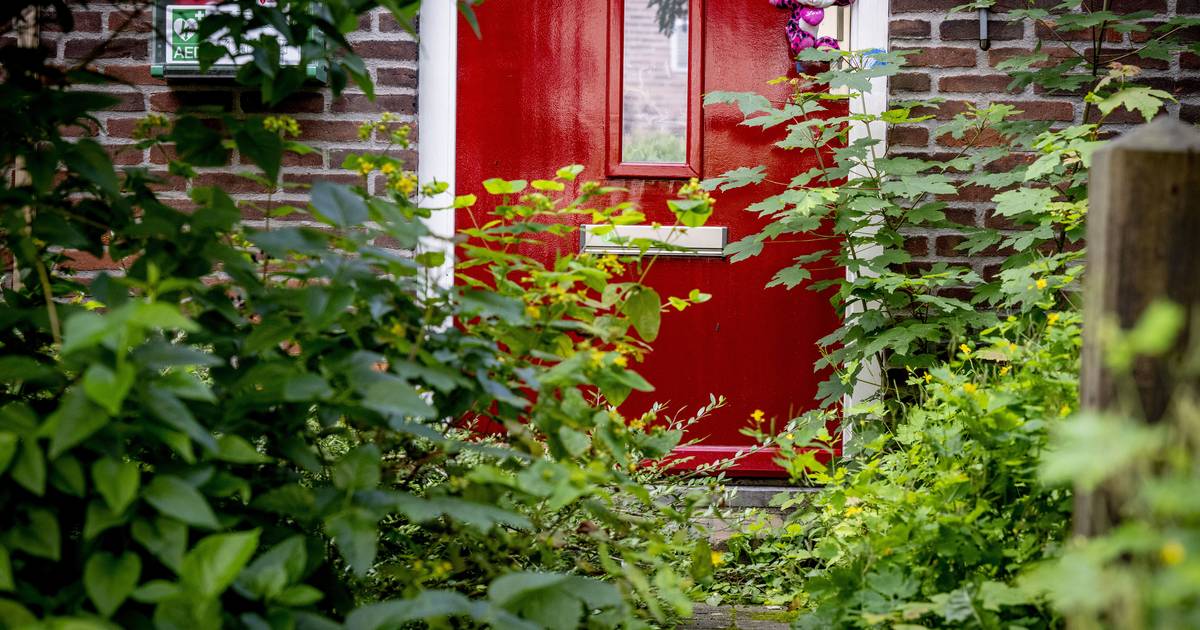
{"type": "Point", "coordinates": [558, 82]}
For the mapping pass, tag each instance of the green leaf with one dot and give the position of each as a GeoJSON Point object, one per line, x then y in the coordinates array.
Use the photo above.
{"type": "Point", "coordinates": [355, 532]}
{"type": "Point", "coordinates": [7, 583]}
{"type": "Point", "coordinates": [108, 388]}
{"type": "Point", "coordinates": [1013, 203]}
{"type": "Point", "coordinates": [177, 499]}
{"type": "Point", "coordinates": [118, 482]}
{"type": "Point", "coordinates": [747, 102]}
{"type": "Point", "coordinates": [264, 147]}
{"type": "Point", "coordinates": [394, 396]}
{"type": "Point", "coordinates": [98, 518]}
{"type": "Point", "coordinates": [30, 468]}
{"type": "Point", "coordinates": [67, 476]}
{"type": "Point", "coordinates": [8, 449]}
{"type": "Point", "coordinates": [497, 186]}
{"type": "Point", "coordinates": [338, 204]}
{"type": "Point", "coordinates": [39, 536]}
{"type": "Point", "coordinates": [553, 600]}
{"type": "Point", "coordinates": [358, 469]}
{"type": "Point", "coordinates": [164, 537]}
{"type": "Point", "coordinates": [84, 330]}
{"type": "Point", "coordinates": [87, 159]}
{"type": "Point", "coordinates": [154, 591]}
{"type": "Point", "coordinates": [74, 421]}
{"type": "Point", "coordinates": [213, 564]}
{"type": "Point", "coordinates": [789, 277]}
{"type": "Point", "coordinates": [110, 580]}
{"type": "Point", "coordinates": [429, 606]}
{"type": "Point", "coordinates": [271, 572]}
{"type": "Point", "coordinates": [235, 449]}
{"type": "Point", "coordinates": [644, 308]}
{"type": "Point", "coordinates": [569, 173]}
{"type": "Point", "coordinates": [1136, 98]}
{"type": "Point", "coordinates": [14, 615]}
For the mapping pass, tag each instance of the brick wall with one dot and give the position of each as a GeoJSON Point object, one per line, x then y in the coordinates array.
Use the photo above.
{"type": "Point", "coordinates": [950, 65]}
{"type": "Point", "coordinates": [329, 125]}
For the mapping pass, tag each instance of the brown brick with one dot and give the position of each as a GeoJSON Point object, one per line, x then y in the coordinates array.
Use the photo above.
{"type": "Point", "coordinates": [128, 102]}
{"type": "Point", "coordinates": [229, 182]}
{"type": "Point", "coordinates": [1009, 162]}
{"type": "Point", "coordinates": [1189, 113]}
{"type": "Point", "coordinates": [986, 138]}
{"type": "Point", "coordinates": [909, 6]}
{"type": "Point", "coordinates": [944, 111]}
{"type": "Point", "coordinates": [359, 103]}
{"type": "Point", "coordinates": [911, 82]}
{"type": "Point", "coordinates": [1189, 61]}
{"type": "Point", "coordinates": [917, 246]}
{"type": "Point", "coordinates": [974, 83]}
{"type": "Point", "coordinates": [1043, 110]}
{"type": "Point", "coordinates": [1188, 6]}
{"type": "Point", "coordinates": [1056, 54]}
{"type": "Point", "coordinates": [399, 77]}
{"type": "Point", "coordinates": [117, 48]}
{"type": "Point", "coordinates": [85, 22]}
{"type": "Point", "coordinates": [328, 130]}
{"type": "Point", "coordinates": [125, 154]}
{"type": "Point", "coordinates": [909, 29]}
{"type": "Point", "coordinates": [388, 24]}
{"type": "Point", "coordinates": [132, 75]}
{"type": "Point", "coordinates": [968, 30]}
{"type": "Point", "coordinates": [1126, 6]}
{"type": "Point", "coordinates": [391, 50]}
{"type": "Point", "coordinates": [908, 136]}
{"type": "Point", "coordinates": [970, 194]}
{"type": "Point", "coordinates": [942, 58]}
{"type": "Point", "coordinates": [296, 103]}
{"type": "Point", "coordinates": [962, 216]}
{"type": "Point", "coordinates": [131, 21]}
{"type": "Point", "coordinates": [180, 100]}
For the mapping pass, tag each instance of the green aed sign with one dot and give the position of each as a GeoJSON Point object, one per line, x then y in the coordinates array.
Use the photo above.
{"type": "Point", "coordinates": [177, 42]}
{"type": "Point", "coordinates": [183, 44]}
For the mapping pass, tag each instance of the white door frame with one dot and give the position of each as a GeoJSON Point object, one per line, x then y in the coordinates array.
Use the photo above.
{"type": "Point", "coordinates": [437, 101]}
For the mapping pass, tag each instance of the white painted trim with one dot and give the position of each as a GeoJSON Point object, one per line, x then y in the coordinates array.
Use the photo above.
{"type": "Point", "coordinates": [437, 97]}
{"type": "Point", "coordinates": [868, 31]}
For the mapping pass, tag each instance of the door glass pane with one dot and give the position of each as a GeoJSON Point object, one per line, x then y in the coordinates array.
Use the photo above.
{"type": "Point", "coordinates": [654, 105]}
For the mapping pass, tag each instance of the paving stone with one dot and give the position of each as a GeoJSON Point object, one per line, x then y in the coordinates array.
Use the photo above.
{"type": "Point", "coordinates": [739, 618]}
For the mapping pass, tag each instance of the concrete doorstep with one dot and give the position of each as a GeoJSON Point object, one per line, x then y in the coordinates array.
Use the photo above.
{"type": "Point", "coordinates": [738, 617]}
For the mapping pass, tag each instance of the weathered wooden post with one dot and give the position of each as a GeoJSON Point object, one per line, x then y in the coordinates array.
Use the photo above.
{"type": "Point", "coordinates": [1143, 245]}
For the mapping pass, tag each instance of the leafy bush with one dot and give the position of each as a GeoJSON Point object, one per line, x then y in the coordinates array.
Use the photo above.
{"type": "Point", "coordinates": [938, 510]}
{"type": "Point", "coordinates": [274, 427]}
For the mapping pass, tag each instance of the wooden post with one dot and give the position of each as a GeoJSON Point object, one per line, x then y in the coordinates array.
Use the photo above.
{"type": "Point", "coordinates": [1143, 246]}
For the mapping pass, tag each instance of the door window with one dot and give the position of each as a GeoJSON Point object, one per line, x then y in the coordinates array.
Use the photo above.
{"type": "Point", "coordinates": [654, 88]}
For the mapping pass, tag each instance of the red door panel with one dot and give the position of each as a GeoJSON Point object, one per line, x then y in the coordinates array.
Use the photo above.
{"type": "Point", "coordinates": [533, 96]}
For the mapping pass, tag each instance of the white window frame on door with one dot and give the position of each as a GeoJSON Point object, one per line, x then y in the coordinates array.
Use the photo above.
{"type": "Point", "coordinates": [436, 119]}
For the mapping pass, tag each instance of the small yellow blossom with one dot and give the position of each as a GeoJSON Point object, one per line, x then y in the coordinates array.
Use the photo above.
{"type": "Point", "coordinates": [1052, 318]}
{"type": "Point", "coordinates": [790, 436]}
{"type": "Point", "coordinates": [970, 388]}
{"type": "Point", "coordinates": [928, 377]}
{"type": "Point", "coordinates": [757, 416]}
{"type": "Point", "coordinates": [1172, 553]}
{"type": "Point", "coordinates": [717, 558]}
{"type": "Point", "coordinates": [597, 358]}
{"type": "Point", "coordinates": [533, 311]}
{"type": "Point", "coordinates": [852, 510]}
{"type": "Point", "coordinates": [621, 361]}
{"type": "Point", "coordinates": [365, 167]}
{"type": "Point", "coordinates": [1064, 411]}
{"type": "Point", "coordinates": [1012, 347]}
{"type": "Point", "coordinates": [1041, 283]}
{"type": "Point", "coordinates": [388, 168]}
{"type": "Point", "coordinates": [965, 349]}
{"type": "Point", "coordinates": [1004, 370]}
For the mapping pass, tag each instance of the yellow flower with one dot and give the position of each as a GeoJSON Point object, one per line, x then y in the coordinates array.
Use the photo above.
{"type": "Point", "coordinates": [928, 377]}
{"type": "Point", "coordinates": [965, 349]}
{"type": "Point", "coordinates": [597, 358]}
{"type": "Point", "coordinates": [717, 558]}
{"type": "Point", "coordinates": [1012, 347]}
{"type": "Point", "coordinates": [1172, 553]}
{"type": "Point", "coordinates": [1041, 283]}
{"type": "Point", "coordinates": [388, 168]}
{"type": "Point", "coordinates": [970, 388]}
{"type": "Point", "coordinates": [757, 416]}
{"type": "Point", "coordinates": [1004, 370]}
{"type": "Point", "coordinates": [534, 312]}
{"type": "Point", "coordinates": [852, 510]}
{"type": "Point", "coordinates": [1064, 411]}
{"type": "Point", "coordinates": [1052, 318]}
{"type": "Point", "coordinates": [365, 167]}
{"type": "Point", "coordinates": [621, 361]}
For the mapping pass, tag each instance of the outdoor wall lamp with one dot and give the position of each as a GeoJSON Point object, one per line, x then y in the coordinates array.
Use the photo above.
{"type": "Point", "coordinates": [985, 41]}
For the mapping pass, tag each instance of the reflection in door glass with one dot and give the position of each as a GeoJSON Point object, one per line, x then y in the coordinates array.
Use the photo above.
{"type": "Point", "coordinates": [654, 85]}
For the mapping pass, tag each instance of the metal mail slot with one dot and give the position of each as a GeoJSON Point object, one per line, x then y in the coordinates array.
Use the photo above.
{"type": "Point", "coordinates": [698, 241]}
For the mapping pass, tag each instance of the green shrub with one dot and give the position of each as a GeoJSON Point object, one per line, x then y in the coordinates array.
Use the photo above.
{"type": "Point", "coordinates": [276, 427]}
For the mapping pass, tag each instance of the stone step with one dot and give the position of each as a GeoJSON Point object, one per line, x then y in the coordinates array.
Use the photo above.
{"type": "Point", "coordinates": [738, 617]}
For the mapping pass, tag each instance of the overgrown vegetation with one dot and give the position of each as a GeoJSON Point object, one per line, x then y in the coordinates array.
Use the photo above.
{"type": "Point", "coordinates": [298, 426]}
{"type": "Point", "coordinates": [940, 512]}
